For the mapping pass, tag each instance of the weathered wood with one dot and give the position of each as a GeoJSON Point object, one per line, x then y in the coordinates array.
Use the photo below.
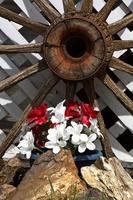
{"type": "Point", "coordinates": [120, 65]}
{"type": "Point", "coordinates": [118, 93]}
{"type": "Point", "coordinates": [70, 91]}
{"type": "Point", "coordinates": [122, 44]}
{"type": "Point", "coordinates": [25, 48]}
{"type": "Point", "coordinates": [5, 84]}
{"type": "Point", "coordinates": [15, 131]}
{"type": "Point", "coordinates": [68, 6]}
{"type": "Point", "coordinates": [82, 65]}
{"type": "Point", "coordinates": [105, 142]}
{"type": "Point", "coordinates": [90, 92]}
{"type": "Point", "coordinates": [87, 6]}
{"type": "Point", "coordinates": [48, 9]}
{"type": "Point", "coordinates": [105, 11]}
{"type": "Point", "coordinates": [119, 25]}
{"type": "Point", "coordinates": [24, 21]}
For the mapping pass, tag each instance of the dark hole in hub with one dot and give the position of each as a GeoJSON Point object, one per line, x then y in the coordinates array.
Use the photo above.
{"type": "Point", "coordinates": [75, 46]}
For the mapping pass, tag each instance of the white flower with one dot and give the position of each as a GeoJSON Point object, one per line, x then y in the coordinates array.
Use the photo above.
{"type": "Point", "coordinates": [75, 130]}
{"type": "Point", "coordinates": [87, 142]}
{"type": "Point", "coordinates": [94, 128]}
{"type": "Point", "coordinates": [11, 152]}
{"type": "Point", "coordinates": [26, 145]}
{"type": "Point", "coordinates": [57, 138]}
{"type": "Point", "coordinates": [59, 113]}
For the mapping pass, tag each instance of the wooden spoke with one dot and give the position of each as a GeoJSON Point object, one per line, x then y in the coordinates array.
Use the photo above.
{"type": "Point", "coordinates": [5, 84]}
{"type": "Point", "coordinates": [90, 92]}
{"type": "Point", "coordinates": [105, 142]}
{"type": "Point", "coordinates": [119, 25]}
{"type": "Point", "coordinates": [118, 93]}
{"type": "Point", "coordinates": [89, 89]}
{"type": "Point", "coordinates": [122, 44]}
{"type": "Point", "coordinates": [68, 6]}
{"type": "Point", "coordinates": [48, 9]}
{"type": "Point", "coordinates": [87, 6]}
{"type": "Point", "coordinates": [105, 11]}
{"type": "Point", "coordinates": [15, 131]}
{"type": "Point", "coordinates": [120, 65]}
{"type": "Point", "coordinates": [26, 48]}
{"type": "Point", "coordinates": [70, 90]}
{"type": "Point", "coordinates": [24, 21]}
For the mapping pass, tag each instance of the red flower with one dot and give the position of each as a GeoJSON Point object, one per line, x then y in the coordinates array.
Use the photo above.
{"type": "Point", "coordinates": [88, 110]}
{"type": "Point", "coordinates": [73, 110]}
{"type": "Point", "coordinates": [38, 115]}
{"type": "Point", "coordinates": [85, 120]}
{"type": "Point", "coordinates": [87, 113]}
{"type": "Point", "coordinates": [36, 130]}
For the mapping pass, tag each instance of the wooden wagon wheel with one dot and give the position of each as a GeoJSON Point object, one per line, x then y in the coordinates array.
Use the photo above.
{"type": "Point", "coordinates": [78, 46]}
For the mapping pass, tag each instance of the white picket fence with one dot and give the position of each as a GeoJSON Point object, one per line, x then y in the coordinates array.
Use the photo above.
{"type": "Point", "coordinates": [14, 100]}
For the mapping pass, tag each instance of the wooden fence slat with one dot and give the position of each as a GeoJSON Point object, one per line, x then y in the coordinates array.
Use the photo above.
{"type": "Point", "coordinates": [30, 10]}
{"type": "Point", "coordinates": [111, 101]}
{"type": "Point", "coordinates": [10, 69]}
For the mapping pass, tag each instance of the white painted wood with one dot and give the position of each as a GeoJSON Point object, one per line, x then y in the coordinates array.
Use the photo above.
{"type": "Point", "coordinates": [125, 78]}
{"type": "Point", "coordinates": [119, 151]}
{"type": "Point", "coordinates": [28, 8]}
{"type": "Point", "coordinates": [129, 4]}
{"type": "Point", "coordinates": [3, 37]}
{"type": "Point", "coordinates": [10, 106]}
{"type": "Point", "coordinates": [10, 31]}
{"type": "Point", "coordinates": [110, 100]}
{"type": "Point", "coordinates": [117, 129]}
{"type": "Point", "coordinates": [58, 5]}
{"type": "Point", "coordinates": [119, 13]}
{"type": "Point", "coordinates": [9, 67]}
{"type": "Point", "coordinates": [18, 97]}
{"type": "Point", "coordinates": [98, 5]}
{"type": "Point", "coordinates": [78, 5]}
{"type": "Point", "coordinates": [3, 113]}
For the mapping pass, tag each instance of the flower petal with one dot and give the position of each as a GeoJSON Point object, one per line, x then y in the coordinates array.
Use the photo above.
{"type": "Point", "coordinates": [77, 127]}
{"type": "Point", "coordinates": [54, 120]}
{"type": "Point", "coordinates": [23, 144]}
{"type": "Point", "coordinates": [75, 139]}
{"type": "Point", "coordinates": [62, 143]}
{"type": "Point", "coordinates": [60, 105]}
{"type": "Point", "coordinates": [90, 146]}
{"type": "Point", "coordinates": [92, 137]}
{"type": "Point", "coordinates": [28, 154]}
{"type": "Point", "coordinates": [70, 130]}
{"type": "Point", "coordinates": [29, 136]}
{"type": "Point", "coordinates": [11, 152]}
{"type": "Point", "coordinates": [56, 149]}
{"type": "Point", "coordinates": [52, 136]}
{"type": "Point", "coordinates": [82, 147]}
{"type": "Point", "coordinates": [49, 145]}
{"type": "Point", "coordinates": [83, 137]}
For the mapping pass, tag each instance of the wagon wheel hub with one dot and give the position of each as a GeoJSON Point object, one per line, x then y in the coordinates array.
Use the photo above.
{"type": "Point", "coordinates": [77, 47]}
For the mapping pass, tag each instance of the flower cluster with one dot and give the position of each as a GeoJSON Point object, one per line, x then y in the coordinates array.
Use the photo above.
{"type": "Point", "coordinates": [73, 126]}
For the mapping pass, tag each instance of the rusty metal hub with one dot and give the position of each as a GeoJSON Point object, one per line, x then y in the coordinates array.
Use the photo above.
{"type": "Point", "coordinates": [76, 47]}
